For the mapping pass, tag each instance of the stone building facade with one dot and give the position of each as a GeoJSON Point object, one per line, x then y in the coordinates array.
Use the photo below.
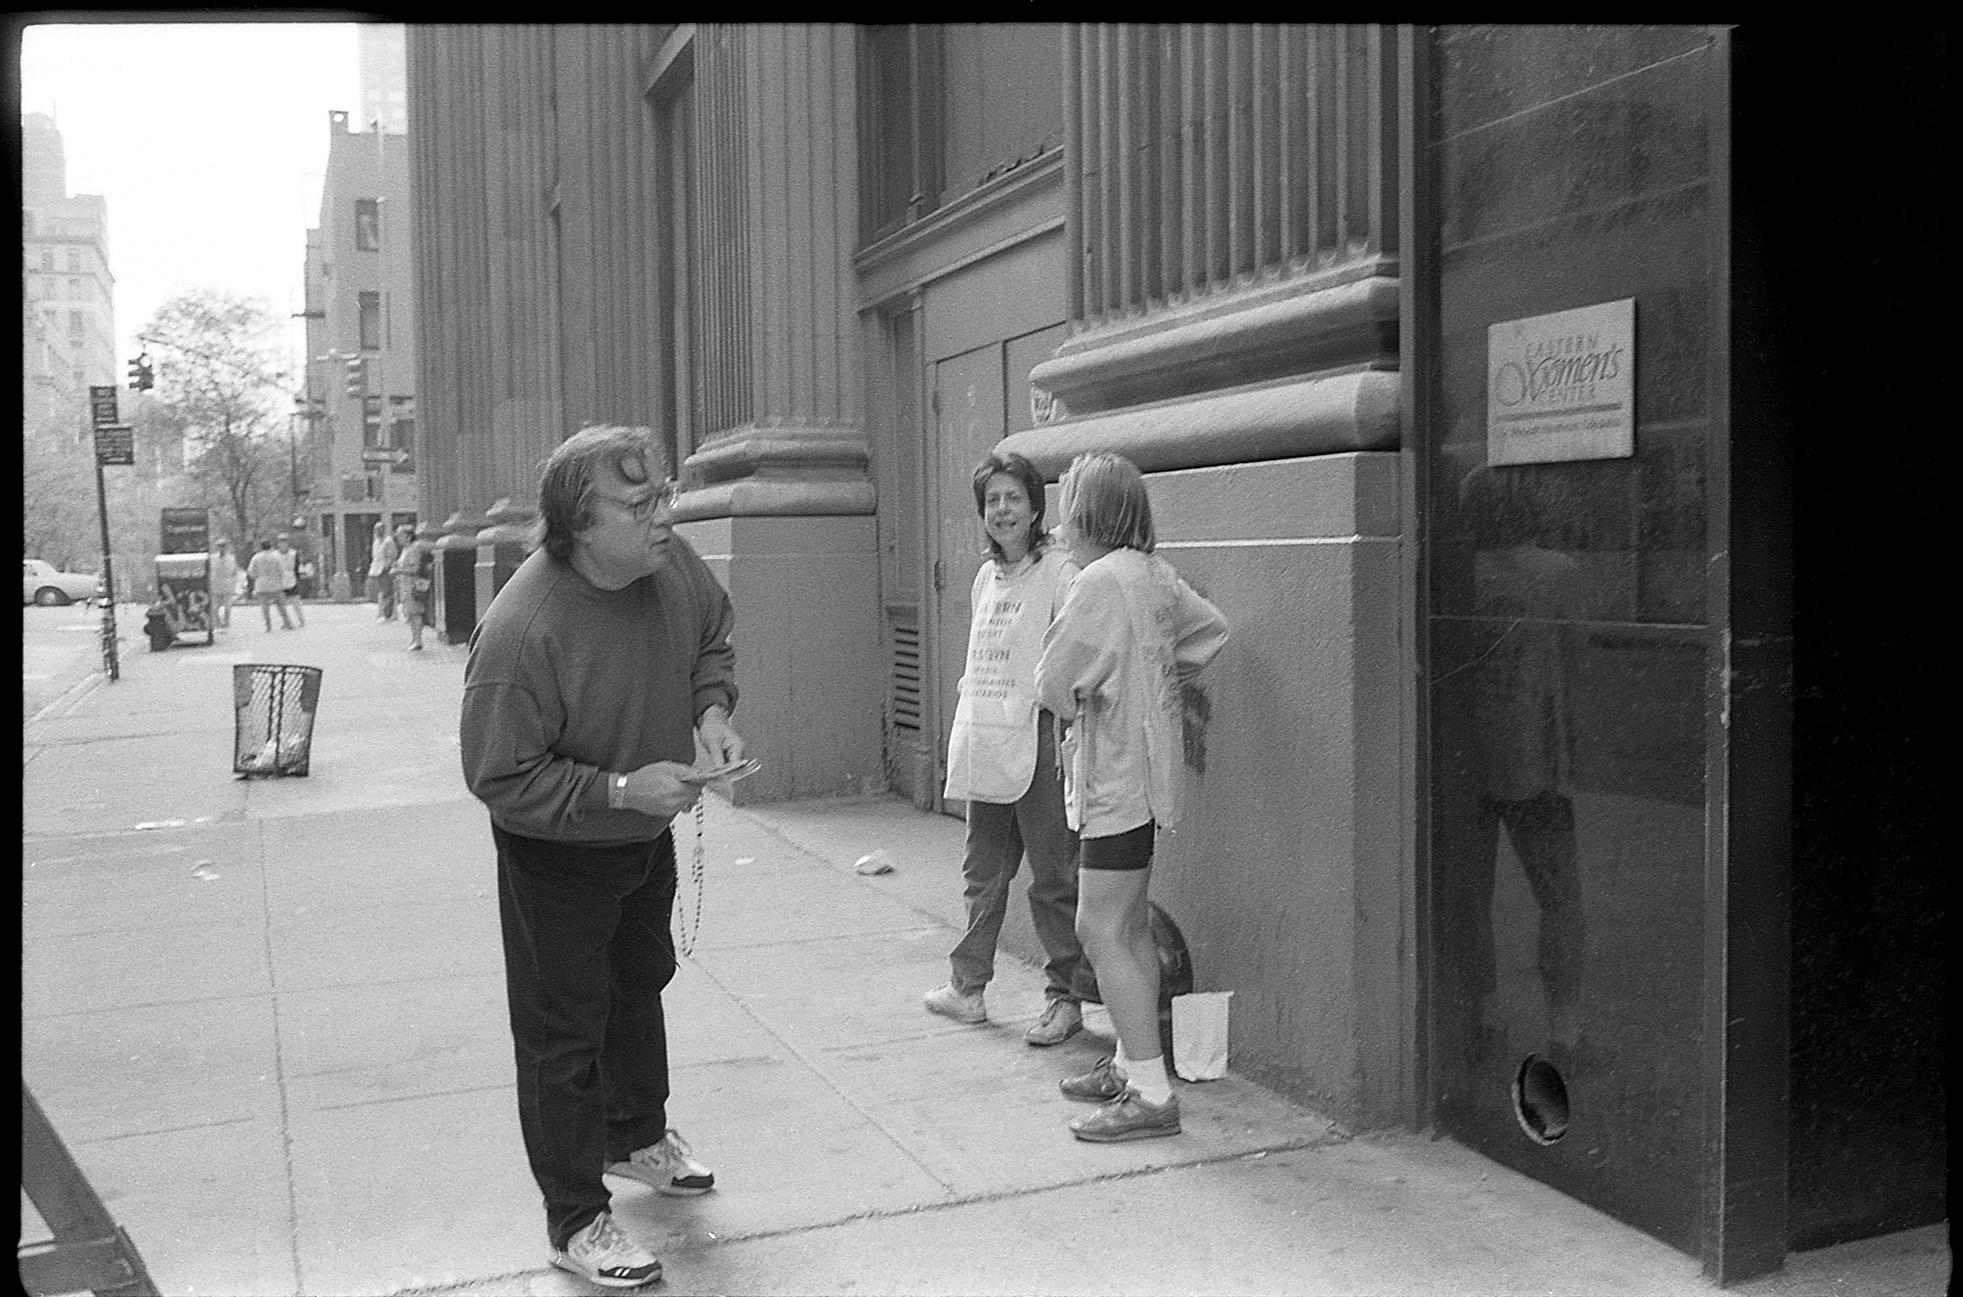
{"type": "Point", "coordinates": [358, 404]}
{"type": "Point", "coordinates": [1493, 815]}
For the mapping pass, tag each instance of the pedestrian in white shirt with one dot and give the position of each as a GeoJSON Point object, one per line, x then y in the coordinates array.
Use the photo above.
{"type": "Point", "coordinates": [265, 577]}
{"type": "Point", "coordinates": [382, 553]}
{"type": "Point", "coordinates": [224, 577]}
{"type": "Point", "coordinates": [289, 594]}
{"type": "Point", "coordinates": [1130, 633]}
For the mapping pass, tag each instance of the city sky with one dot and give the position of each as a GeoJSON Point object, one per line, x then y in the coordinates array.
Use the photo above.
{"type": "Point", "coordinates": [209, 141]}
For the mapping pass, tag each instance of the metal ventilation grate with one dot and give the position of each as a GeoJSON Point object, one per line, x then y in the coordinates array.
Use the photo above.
{"type": "Point", "coordinates": [905, 685]}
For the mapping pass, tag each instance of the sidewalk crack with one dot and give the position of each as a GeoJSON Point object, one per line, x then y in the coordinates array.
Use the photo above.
{"type": "Point", "coordinates": [279, 1073]}
{"type": "Point", "coordinates": [825, 1076]}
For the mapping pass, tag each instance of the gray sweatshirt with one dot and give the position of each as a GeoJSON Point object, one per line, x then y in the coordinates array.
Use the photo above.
{"type": "Point", "coordinates": [566, 682]}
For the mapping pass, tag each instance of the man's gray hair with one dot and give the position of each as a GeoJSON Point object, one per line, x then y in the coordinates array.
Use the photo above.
{"type": "Point", "coordinates": [565, 486]}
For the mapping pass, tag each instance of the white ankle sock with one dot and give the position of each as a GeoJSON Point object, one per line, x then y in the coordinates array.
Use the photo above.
{"type": "Point", "coordinates": [1148, 1077]}
{"type": "Point", "coordinates": [1120, 1064]}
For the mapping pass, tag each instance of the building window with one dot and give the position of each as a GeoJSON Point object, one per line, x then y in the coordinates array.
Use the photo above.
{"type": "Point", "coordinates": [367, 224]}
{"type": "Point", "coordinates": [371, 423]}
{"type": "Point", "coordinates": [946, 108]}
{"type": "Point", "coordinates": [77, 324]}
{"type": "Point", "coordinates": [402, 432]}
{"type": "Point", "coordinates": [74, 258]}
{"type": "Point", "coordinates": [47, 258]}
{"type": "Point", "coordinates": [371, 321]}
{"type": "Point", "coordinates": [900, 174]}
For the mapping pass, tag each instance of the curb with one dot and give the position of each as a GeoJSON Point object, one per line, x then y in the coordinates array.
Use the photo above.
{"type": "Point", "coordinates": [61, 706]}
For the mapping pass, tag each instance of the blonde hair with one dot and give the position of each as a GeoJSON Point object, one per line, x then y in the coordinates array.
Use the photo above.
{"type": "Point", "coordinates": [1103, 500]}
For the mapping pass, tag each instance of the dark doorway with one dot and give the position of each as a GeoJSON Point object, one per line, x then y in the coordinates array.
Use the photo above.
{"type": "Point", "coordinates": [1844, 306]}
{"type": "Point", "coordinates": [357, 548]}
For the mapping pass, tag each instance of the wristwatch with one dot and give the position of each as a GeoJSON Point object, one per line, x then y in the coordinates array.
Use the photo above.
{"type": "Point", "coordinates": [617, 792]}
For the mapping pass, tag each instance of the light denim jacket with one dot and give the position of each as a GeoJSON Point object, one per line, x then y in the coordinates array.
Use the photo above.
{"type": "Point", "coordinates": [1130, 632]}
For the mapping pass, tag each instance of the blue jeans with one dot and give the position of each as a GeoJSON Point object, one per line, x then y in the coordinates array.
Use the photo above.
{"type": "Point", "coordinates": [587, 953]}
{"type": "Point", "coordinates": [999, 833]}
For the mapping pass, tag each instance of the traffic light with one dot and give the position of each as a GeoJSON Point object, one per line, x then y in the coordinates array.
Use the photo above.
{"type": "Point", "coordinates": [141, 377]}
{"type": "Point", "coordinates": [357, 376]}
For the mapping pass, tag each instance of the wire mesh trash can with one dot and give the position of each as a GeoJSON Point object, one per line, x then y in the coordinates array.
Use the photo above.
{"type": "Point", "coordinates": [273, 718]}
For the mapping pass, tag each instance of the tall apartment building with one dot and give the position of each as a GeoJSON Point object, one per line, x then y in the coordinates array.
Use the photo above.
{"type": "Point", "coordinates": [381, 77]}
{"type": "Point", "coordinates": [66, 279]}
{"type": "Point", "coordinates": [1473, 369]}
{"type": "Point", "coordinates": [49, 395]}
{"type": "Point", "coordinates": [360, 394]}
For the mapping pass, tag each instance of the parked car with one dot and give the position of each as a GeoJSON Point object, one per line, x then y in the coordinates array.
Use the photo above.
{"type": "Point", "coordinates": [43, 583]}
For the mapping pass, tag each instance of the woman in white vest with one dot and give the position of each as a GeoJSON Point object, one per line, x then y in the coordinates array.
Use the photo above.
{"type": "Point", "coordinates": [1001, 760]}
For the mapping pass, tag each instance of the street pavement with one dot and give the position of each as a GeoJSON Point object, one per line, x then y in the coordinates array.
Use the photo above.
{"type": "Point", "coordinates": [267, 1017]}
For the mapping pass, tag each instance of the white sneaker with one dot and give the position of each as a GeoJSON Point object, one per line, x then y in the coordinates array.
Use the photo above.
{"type": "Point", "coordinates": [950, 1003]}
{"type": "Point", "coordinates": [603, 1254]}
{"type": "Point", "coordinates": [668, 1166]}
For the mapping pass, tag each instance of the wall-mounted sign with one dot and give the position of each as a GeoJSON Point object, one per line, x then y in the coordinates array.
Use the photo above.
{"type": "Point", "coordinates": [102, 406]}
{"type": "Point", "coordinates": [1562, 386]}
{"type": "Point", "coordinates": [115, 444]}
{"type": "Point", "coordinates": [186, 531]}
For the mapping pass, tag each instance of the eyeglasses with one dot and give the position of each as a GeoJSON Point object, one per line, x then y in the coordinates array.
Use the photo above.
{"type": "Point", "coordinates": [644, 506]}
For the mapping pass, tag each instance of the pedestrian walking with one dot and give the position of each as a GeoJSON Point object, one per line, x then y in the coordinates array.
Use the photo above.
{"type": "Point", "coordinates": [224, 577]}
{"type": "Point", "coordinates": [382, 553]}
{"type": "Point", "coordinates": [265, 580]}
{"type": "Point", "coordinates": [1130, 633]}
{"type": "Point", "coordinates": [1001, 760]}
{"type": "Point", "coordinates": [415, 576]}
{"type": "Point", "coordinates": [582, 753]}
{"type": "Point", "coordinates": [290, 589]}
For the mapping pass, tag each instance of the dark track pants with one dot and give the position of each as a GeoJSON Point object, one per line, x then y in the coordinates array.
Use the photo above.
{"type": "Point", "coordinates": [587, 952]}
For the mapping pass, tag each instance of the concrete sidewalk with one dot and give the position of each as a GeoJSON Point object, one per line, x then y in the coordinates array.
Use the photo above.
{"type": "Point", "coordinates": [267, 1017]}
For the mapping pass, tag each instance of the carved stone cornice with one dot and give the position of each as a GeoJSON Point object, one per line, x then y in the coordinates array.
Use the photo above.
{"type": "Point", "coordinates": [1321, 414]}
{"type": "Point", "coordinates": [511, 522]}
{"type": "Point", "coordinates": [1312, 325]}
{"type": "Point", "coordinates": [778, 470]}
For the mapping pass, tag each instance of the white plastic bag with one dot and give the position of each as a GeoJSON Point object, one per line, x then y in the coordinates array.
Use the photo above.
{"type": "Point", "coordinates": [1199, 1035]}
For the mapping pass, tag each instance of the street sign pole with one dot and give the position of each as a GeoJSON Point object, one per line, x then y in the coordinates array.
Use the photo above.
{"type": "Point", "coordinates": [102, 411]}
{"type": "Point", "coordinates": [109, 661]}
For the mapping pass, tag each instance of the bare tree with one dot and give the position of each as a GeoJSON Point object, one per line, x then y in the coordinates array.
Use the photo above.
{"type": "Point", "coordinates": [58, 514]}
{"type": "Point", "coordinates": [219, 385]}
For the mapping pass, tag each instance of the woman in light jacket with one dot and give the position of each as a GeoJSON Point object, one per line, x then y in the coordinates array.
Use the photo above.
{"type": "Point", "coordinates": [1130, 633]}
{"type": "Point", "coordinates": [414, 568]}
{"type": "Point", "coordinates": [1001, 760]}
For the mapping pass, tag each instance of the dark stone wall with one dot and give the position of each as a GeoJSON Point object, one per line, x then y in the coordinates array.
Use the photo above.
{"type": "Point", "coordinates": [1571, 627]}
{"type": "Point", "coordinates": [1771, 211]}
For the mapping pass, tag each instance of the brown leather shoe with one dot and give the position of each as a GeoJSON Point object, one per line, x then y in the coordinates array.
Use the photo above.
{"type": "Point", "coordinates": [1099, 1085]}
{"type": "Point", "coordinates": [1129, 1117]}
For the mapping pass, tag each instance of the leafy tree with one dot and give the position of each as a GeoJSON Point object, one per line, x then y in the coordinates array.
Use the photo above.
{"type": "Point", "coordinates": [58, 513]}
{"type": "Point", "coordinates": [219, 388]}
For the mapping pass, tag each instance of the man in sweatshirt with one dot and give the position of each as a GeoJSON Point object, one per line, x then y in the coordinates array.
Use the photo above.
{"type": "Point", "coordinates": [598, 672]}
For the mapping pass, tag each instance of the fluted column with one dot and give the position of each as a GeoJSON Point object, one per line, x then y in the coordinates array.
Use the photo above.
{"type": "Point", "coordinates": [1233, 238]}
{"type": "Point", "coordinates": [780, 499]}
{"type": "Point", "coordinates": [800, 447]}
